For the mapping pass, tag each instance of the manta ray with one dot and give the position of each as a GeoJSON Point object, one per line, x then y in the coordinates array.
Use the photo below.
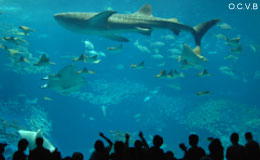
{"type": "Point", "coordinates": [31, 137]}
{"type": "Point", "coordinates": [192, 55]}
{"type": "Point", "coordinates": [65, 81]}
{"type": "Point", "coordinates": [110, 25]}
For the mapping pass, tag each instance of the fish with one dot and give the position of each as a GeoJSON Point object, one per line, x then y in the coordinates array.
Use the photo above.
{"type": "Point", "coordinates": [109, 24]}
{"type": "Point", "coordinates": [253, 48]}
{"type": "Point", "coordinates": [85, 71]}
{"type": "Point", "coordinates": [158, 44]}
{"type": "Point", "coordinates": [115, 49]}
{"type": "Point", "coordinates": [44, 61]}
{"type": "Point", "coordinates": [141, 47]}
{"type": "Point", "coordinates": [22, 59]}
{"type": "Point", "coordinates": [161, 74]}
{"type": "Point", "coordinates": [204, 73]}
{"type": "Point", "coordinates": [192, 55]}
{"type": "Point", "coordinates": [234, 42]}
{"type": "Point", "coordinates": [87, 59]}
{"type": "Point", "coordinates": [31, 101]}
{"type": "Point", "coordinates": [91, 118]}
{"type": "Point", "coordinates": [177, 87]}
{"type": "Point", "coordinates": [2, 46]}
{"type": "Point", "coordinates": [65, 81]}
{"type": "Point", "coordinates": [203, 93]}
{"type": "Point", "coordinates": [168, 37]}
{"type": "Point", "coordinates": [104, 110]}
{"type": "Point", "coordinates": [47, 99]}
{"type": "Point", "coordinates": [80, 58]}
{"type": "Point", "coordinates": [14, 40]}
{"type": "Point", "coordinates": [92, 59]}
{"type": "Point", "coordinates": [237, 50]}
{"type": "Point", "coordinates": [157, 56]}
{"type": "Point", "coordinates": [147, 98]}
{"type": "Point", "coordinates": [173, 74]}
{"type": "Point", "coordinates": [31, 137]}
{"type": "Point", "coordinates": [231, 57]}
{"type": "Point", "coordinates": [12, 51]}
{"type": "Point", "coordinates": [220, 36]}
{"type": "Point", "coordinates": [227, 71]}
{"type": "Point", "coordinates": [187, 65]}
{"type": "Point", "coordinates": [138, 66]}
{"type": "Point", "coordinates": [224, 26]}
{"type": "Point", "coordinates": [26, 30]}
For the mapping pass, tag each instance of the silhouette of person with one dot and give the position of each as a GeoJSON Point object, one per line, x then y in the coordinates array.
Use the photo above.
{"type": "Point", "coordinates": [141, 148]}
{"type": "Point", "coordinates": [252, 147]}
{"type": "Point", "coordinates": [56, 155]}
{"type": "Point", "coordinates": [236, 151]}
{"type": "Point", "coordinates": [169, 155]}
{"type": "Point", "coordinates": [77, 156]}
{"type": "Point", "coordinates": [39, 153]}
{"type": "Point", "coordinates": [2, 149]}
{"type": "Point", "coordinates": [155, 152]}
{"type": "Point", "coordinates": [20, 155]}
{"type": "Point", "coordinates": [121, 149]}
{"type": "Point", "coordinates": [216, 150]}
{"type": "Point", "coordinates": [194, 152]}
{"type": "Point", "coordinates": [67, 158]}
{"type": "Point", "coordinates": [101, 152]}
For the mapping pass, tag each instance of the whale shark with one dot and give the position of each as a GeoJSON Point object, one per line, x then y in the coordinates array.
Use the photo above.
{"type": "Point", "coordinates": [111, 25]}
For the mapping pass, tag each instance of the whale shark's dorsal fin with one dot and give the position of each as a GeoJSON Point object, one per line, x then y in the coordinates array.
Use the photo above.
{"type": "Point", "coordinates": [145, 10]}
{"type": "Point", "coordinates": [101, 18]}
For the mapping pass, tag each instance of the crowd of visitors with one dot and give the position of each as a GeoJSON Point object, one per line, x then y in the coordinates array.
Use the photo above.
{"type": "Point", "coordinates": [142, 151]}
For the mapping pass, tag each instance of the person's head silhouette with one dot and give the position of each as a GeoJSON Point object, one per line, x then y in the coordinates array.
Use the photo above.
{"type": "Point", "coordinates": [157, 141]}
{"type": "Point", "coordinates": [99, 146]}
{"type": "Point", "coordinates": [193, 140]}
{"type": "Point", "coordinates": [22, 144]}
{"type": "Point", "coordinates": [39, 142]}
{"type": "Point", "coordinates": [234, 138]}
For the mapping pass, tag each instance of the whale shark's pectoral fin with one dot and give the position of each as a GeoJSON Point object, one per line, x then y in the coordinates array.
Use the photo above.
{"type": "Point", "coordinates": [145, 10]}
{"type": "Point", "coordinates": [101, 18]}
{"type": "Point", "coordinates": [116, 38]}
{"type": "Point", "coordinates": [144, 31]}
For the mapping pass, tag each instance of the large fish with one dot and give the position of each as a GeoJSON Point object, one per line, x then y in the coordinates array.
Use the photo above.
{"type": "Point", "coordinates": [110, 25]}
{"type": "Point", "coordinates": [65, 81]}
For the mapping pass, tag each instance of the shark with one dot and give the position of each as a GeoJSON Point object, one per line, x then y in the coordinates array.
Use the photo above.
{"type": "Point", "coordinates": [111, 25]}
{"type": "Point", "coordinates": [31, 137]}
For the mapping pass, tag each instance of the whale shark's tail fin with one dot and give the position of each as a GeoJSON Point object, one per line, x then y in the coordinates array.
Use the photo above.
{"type": "Point", "coordinates": [201, 29]}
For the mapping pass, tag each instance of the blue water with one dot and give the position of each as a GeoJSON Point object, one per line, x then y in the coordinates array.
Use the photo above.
{"type": "Point", "coordinates": [75, 123]}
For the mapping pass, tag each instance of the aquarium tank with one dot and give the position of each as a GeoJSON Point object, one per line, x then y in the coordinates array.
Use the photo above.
{"type": "Point", "coordinates": [72, 69]}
